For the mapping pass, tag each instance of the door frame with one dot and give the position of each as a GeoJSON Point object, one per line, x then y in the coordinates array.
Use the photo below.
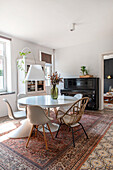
{"type": "Point", "coordinates": [102, 78]}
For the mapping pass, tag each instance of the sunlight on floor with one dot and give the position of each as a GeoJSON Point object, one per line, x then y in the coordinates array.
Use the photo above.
{"type": "Point", "coordinates": [3, 138]}
{"type": "Point", "coordinates": [7, 127]}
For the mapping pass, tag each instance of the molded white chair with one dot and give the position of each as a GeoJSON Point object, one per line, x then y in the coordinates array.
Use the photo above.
{"type": "Point", "coordinates": [20, 107]}
{"type": "Point", "coordinates": [72, 118]}
{"type": "Point", "coordinates": [14, 115]}
{"type": "Point", "coordinates": [78, 96]}
{"type": "Point", "coordinates": [37, 116]}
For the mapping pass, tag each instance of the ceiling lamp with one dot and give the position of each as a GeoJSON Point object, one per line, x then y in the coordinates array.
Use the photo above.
{"type": "Point", "coordinates": [73, 27]}
{"type": "Point", "coordinates": [35, 72]}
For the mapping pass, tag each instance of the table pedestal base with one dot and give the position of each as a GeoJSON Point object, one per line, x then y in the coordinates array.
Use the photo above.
{"type": "Point", "coordinates": [53, 126]}
{"type": "Point", "coordinates": [22, 131]}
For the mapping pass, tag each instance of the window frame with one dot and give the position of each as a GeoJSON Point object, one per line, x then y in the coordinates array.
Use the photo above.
{"type": "Point", "coordinates": [3, 58]}
{"type": "Point", "coordinates": [46, 79]}
{"type": "Point", "coordinates": [47, 64]}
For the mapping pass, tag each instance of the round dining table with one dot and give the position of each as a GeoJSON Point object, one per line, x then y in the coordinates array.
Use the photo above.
{"type": "Point", "coordinates": [44, 101]}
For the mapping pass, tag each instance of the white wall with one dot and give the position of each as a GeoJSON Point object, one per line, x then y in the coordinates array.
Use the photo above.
{"type": "Point", "coordinates": [69, 60]}
{"type": "Point", "coordinates": [16, 46]}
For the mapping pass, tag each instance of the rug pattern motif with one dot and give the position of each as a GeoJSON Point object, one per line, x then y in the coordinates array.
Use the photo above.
{"type": "Point", "coordinates": [102, 156]}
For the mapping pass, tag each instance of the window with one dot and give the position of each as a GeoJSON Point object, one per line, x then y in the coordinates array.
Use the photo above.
{"type": "Point", "coordinates": [48, 67]}
{"type": "Point", "coordinates": [2, 66]}
{"type": "Point", "coordinates": [48, 73]}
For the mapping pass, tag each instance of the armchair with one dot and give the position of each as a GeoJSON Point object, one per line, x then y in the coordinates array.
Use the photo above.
{"type": "Point", "coordinates": [72, 116]}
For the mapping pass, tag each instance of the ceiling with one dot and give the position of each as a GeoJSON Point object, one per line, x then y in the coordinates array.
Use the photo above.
{"type": "Point", "coordinates": [48, 22]}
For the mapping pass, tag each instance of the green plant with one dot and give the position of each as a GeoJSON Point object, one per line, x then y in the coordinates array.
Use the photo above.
{"type": "Point", "coordinates": [24, 54]}
{"type": "Point", "coordinates": [1, 72]}
{"type": "Point", "coordinates": [20, 64]}
{"type": "Point", "coordinates": [84, 70]}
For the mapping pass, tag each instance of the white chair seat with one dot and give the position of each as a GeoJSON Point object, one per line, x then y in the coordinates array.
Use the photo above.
{"type": "Point", "coordinates": [76, 124]}
{"type": "Point", "coordinates": [20, 114]}
{"type": "Point", "coordinates": [14, 115]}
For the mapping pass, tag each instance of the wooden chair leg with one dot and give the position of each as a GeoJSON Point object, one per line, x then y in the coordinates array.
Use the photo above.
{"type": "Point", "coordinates": [50, 131]}
{"type": "Point", "coordinates": [36, 130]}
{"type": "Point", "coordinates": [29, 136]}
{"type": "Point", "coordinates": [45, 137]}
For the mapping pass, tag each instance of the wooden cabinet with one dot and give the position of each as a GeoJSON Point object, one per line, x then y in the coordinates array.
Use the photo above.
{"type": "Point", "coordinates": [29, 87]}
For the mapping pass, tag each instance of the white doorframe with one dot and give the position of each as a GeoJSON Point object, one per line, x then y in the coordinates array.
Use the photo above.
{"type": "Point", "coordinates": [102, 78]}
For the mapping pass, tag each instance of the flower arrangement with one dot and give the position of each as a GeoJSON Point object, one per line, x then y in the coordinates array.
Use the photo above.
{"type": "Point", "coordinates": [55, 78]}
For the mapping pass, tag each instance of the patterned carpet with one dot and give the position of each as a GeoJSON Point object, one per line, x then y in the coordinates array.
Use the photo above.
{"type": "Point", "coordinates": [61, 153]}
{"type": "Point", "coordinates": [102, 156]}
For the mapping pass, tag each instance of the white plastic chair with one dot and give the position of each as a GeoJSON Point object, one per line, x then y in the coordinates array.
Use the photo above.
{"type": "Point", "coordinates": [20, 107]}
{"type": "Point", "coordinates": [77, 97]}
{"type": "Point", "coordinates": [37, 116]}
{"type": "Point", "coordinates": [14, 115]}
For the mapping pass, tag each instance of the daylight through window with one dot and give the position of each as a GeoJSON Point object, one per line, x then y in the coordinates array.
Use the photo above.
{"type": "Point", "coordinates": [48, 67]}
{"type": "Point", "coordinates": [2, 66]}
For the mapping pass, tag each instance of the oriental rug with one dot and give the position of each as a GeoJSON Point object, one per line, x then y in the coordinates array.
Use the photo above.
{"type": "Point", "coordinates": [102, 155]}
{"type": "Point", "coordinates": [61, 153]}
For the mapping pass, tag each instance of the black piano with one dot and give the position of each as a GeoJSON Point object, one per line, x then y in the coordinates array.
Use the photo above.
{"type": "Point", "coordinates": [89, 87]}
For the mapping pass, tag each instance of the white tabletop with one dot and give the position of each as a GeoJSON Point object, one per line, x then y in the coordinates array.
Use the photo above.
{"type": "Point", "coordinates": [47, 101]}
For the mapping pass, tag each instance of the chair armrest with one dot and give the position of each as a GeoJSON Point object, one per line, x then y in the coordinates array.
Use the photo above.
{"type": "Point", "coordinates": [60, 112]}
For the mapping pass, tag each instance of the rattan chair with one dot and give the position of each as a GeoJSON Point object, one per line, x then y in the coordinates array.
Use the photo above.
{"type": "Point", "coordinates": [14, 115]}
{"type": "Point", "coordinates": [65, 108]}
{"type": "Point", "coordinates": [72, 116]}
{"type": "Point", "coordinates": [37, 117]}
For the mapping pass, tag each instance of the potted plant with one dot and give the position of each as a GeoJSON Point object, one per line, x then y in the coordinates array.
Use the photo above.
{"type": "Point", "coordinates": [83, 69]}
{"type": "Point", "coordinates": [21, 63]}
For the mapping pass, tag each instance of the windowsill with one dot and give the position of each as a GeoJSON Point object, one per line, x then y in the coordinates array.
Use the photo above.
{"type": "Point", "coordinates": [6, 93]}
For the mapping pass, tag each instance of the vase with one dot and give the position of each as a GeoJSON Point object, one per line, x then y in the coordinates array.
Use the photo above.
{"type": "Point", "coordinates": [54, 92]}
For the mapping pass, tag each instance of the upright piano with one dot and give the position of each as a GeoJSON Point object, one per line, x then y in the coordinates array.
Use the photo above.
{"type": "Point", "coordinates": [89, 87]}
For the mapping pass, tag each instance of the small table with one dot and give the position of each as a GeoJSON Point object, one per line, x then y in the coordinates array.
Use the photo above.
{"type": "Point", "coordinates": [108, 97]}
{"type": "Point", "coordinates": [44, 101]}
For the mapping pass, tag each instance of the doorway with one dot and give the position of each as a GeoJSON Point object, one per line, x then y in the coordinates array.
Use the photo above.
{"type": "Point", "coordinates": [108, 80]}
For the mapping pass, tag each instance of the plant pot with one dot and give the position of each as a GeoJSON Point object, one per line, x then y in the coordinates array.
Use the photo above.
{"type": "Point", "coordinates": [54, 92]}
